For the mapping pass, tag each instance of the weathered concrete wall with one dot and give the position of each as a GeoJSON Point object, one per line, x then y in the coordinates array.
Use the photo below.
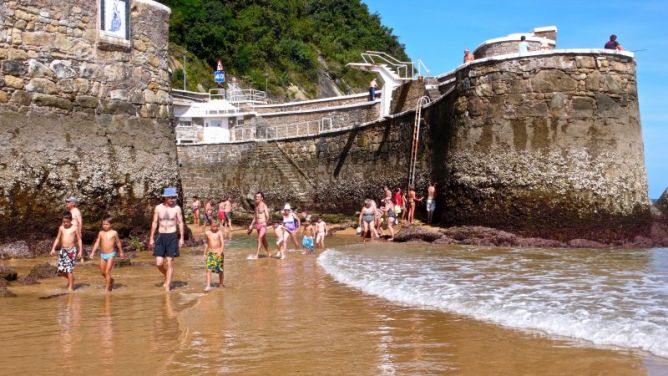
{"type": "Point", "coordinates": [81, 116]}
{"type": "Point", "coordinates": [334, 172]}
{"type": "Point", "coordinates": [313, 104]}
{"type": "Point", "coordinates": [547, 145]}
{"type": "Point", "coordinates": [342, 117]}
{"type": "Point", "coordinates": [406, 96]}
{"type": "Point", "coordinates": [547, 142]}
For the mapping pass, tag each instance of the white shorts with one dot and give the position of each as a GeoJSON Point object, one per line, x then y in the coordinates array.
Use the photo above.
{"type": "Point", "coordinates": [283, 238]}
{"type": "Point", "coordinates": [319, 236]}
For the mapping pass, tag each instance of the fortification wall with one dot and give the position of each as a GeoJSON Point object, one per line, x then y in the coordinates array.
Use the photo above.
{"type": "Point", "coordinates": [313, 104]}
{"type": "Point", "coordinates": [341, 117]}
{"type": "Point", "coordinates": [547, 142]}
{"type": "Point", "coordinates": [82, 114]}
{"type": "Point", "coordinates": [333, 172]}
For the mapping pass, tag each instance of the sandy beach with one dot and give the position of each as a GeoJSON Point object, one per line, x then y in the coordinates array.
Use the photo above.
{"type": "Point", "coordinates": [271, 317]}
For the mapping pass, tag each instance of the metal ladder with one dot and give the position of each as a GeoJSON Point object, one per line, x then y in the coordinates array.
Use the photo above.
{"type": "Point", "coordinates": [416, 139]}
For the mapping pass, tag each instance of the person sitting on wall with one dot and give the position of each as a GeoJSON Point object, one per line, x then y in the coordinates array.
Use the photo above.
{"type": "Point", "coordinates": [612, 44]}
{"type": "Point", "coordinates": [524, 45]}
{"type": "Point", "coordinates": [468, 56]}
{"type": "Point", "coordinates": [372, 89]}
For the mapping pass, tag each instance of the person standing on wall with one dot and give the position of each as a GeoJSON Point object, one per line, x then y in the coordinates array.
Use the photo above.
{"type": "Point", "coordinates": [373, 85]}
{"type": "Point", "coordinates": [524, 45]}
{"type": "Point", "coordinates": [612, 44]}
{"type": "Point", "coordinates": [166, 218]}
{"type": "Point", "coordinates": [468, 56]}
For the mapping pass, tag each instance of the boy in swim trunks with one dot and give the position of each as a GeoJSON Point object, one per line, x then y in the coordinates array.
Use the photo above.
{"type": "Point", "coordinates": [68, 238]}
{"type": "Point", "coordinates": [106, 240]}
{"type": "Point", "coordinates": [281, 239]}
{"type": "Point", "coordinates": [307, 240]}
{"type": "Point", "coordinates": [321, 231]}
{"type": "Point", "coordinates": [213, 252]}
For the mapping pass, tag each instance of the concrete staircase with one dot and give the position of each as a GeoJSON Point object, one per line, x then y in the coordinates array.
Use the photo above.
{"type": "Point", "coordinates": [286, 169]}
{"type": "Point", "coordinates": [431, 84]}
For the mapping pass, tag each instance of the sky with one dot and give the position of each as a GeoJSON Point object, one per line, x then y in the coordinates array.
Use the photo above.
{"type": "Point", "coordinates": [437, 31]}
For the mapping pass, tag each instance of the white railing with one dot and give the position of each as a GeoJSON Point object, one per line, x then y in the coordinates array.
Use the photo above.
{"type": "Point", "coordinates": [246, 95]}
{"type": "Point", "coordinates": [295, 130]}
{"type": "Point", "coordinates": [403, 69]}
{"type": "Point", "coordinates": [420, 66]}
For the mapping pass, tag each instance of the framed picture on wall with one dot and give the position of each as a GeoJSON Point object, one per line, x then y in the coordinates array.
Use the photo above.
{"type": "Point", "coordinates": [115, 19]}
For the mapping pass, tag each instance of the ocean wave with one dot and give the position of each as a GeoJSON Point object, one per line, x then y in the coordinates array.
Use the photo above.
{"type": "Point", "coordinates": [615, 299]}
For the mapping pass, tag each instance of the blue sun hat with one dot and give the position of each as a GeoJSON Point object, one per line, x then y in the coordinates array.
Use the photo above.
{"type": "Point", "coordinates": [169, 192]}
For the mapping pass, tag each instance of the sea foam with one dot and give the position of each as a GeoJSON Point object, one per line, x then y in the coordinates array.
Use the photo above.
{"type": "Point", "coordinates": [611, 298]}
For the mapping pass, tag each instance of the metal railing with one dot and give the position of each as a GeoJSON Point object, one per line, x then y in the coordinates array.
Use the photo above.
{"type": "Point", "coordinates": [246, 95]}
{"type": "Point", "coordinates": [403, 69]}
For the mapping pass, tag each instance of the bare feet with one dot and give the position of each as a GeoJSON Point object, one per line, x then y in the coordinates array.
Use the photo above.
{"type": "Point", "coordinates": [167, 288]}
{"type": "Point", "coordinates": [207, 289]}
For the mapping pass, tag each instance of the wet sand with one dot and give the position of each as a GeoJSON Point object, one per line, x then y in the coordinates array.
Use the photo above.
{"type": "Point", "coordinates": [272, 317]}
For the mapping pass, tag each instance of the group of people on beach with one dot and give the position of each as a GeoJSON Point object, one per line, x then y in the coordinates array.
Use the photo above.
{"type": "Point", "coordinates": [393, 205]}
{"type": "Point", "coordinates": [313, 231]}
{"type": "Point", "coordinates": [222, 211]}
{"type": "Point", "coordinates": [167, 237]}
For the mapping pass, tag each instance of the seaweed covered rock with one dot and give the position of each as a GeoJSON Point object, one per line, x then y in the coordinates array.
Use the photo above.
{"type": "Point", "coordinates": [662, 203]}
{"type": "Point", "coordinates": [18, 249]}
{"type": "Point", "coordinates": [7, 273]}
{"type": "Point", "coordinates": [413, 232]}
{"type": "Point", "coordinates": [39, 271]}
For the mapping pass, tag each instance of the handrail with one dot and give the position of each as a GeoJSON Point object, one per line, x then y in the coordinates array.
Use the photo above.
{"type": "Point", "coordinates": [420, 64]}
{"type": "Point", "coordinates": [404, 69]}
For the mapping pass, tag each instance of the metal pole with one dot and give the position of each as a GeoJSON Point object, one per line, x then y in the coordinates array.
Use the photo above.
{"type": "Point", "coordinates": [184, 73]}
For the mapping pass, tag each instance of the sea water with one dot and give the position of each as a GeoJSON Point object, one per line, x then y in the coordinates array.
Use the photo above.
{"type": "Point", "coordinates": [608, 297]}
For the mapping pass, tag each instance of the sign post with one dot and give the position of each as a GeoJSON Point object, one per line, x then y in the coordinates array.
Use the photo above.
{"type": "Point", "coordinates": [219, 74]}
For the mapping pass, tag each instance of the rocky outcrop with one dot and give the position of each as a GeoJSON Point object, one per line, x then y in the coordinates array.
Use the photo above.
{"type": "Point", "coordinates": [18, 249]}
{"type": "Point", "coordinates": [490, 237]}
{"type": "Point", "coordinates": [82, 114]}
{"type": "Point", "coordinates": [39, 271]}
{"type": "Point", "coordinates": [546, 146]}
{"type": "Point", "coordinates": [4, 292]}
{"type": "Point", "coordinates": [7, 273]}
{"type": "Point", "coordinates": [662, 203]}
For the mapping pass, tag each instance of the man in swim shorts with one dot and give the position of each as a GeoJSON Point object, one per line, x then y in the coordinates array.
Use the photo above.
{"type": "Point", "coordinates": [167, 217]}
{"type": "Point", "coordinates": [431, 201]}
{"type": "Point", "coordinates": [260, 222]}
{"type": "Point", "coordinates": [307, 240]}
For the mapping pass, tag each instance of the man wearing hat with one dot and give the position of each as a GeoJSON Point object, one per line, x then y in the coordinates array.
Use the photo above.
{"type": "Point", "coordinates": [166, 218]}
{"type": "Point", "coordinates": [71, 203]}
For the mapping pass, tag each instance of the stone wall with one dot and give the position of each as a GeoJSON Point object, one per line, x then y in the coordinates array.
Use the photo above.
{"type": "Point", "coordinates": [80, 115]}
{"type": "Point", "coordinates": [547, 143]}
{"type": "Point", "coordinates": [343, 117]}
{"type": "Point", "coordinates": [313, 104]}
{"type": "Point", "coordinates": [333, 172]}
{"type": "Point", "coordinates": [506, 47]}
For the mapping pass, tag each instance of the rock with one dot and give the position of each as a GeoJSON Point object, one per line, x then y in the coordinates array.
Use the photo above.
{"type": "Point", "coordinates": [445, 240]}
{"type": "Point", "coordinates": [37, 38]}
{"type": "Point", "coordinates": [4, 293]}
{"type": "Point", "coordinates": [21, 98]}
{"type": "Point", "coordinates": [553, 80]}
{"type": "Point", "coordinates": [87, 101]}
{"type": "Point", "coordinates": [413, 232]}
{"type": "Point", "coordinates": [18, 249]}
{"type": "Point", "coordinates": [14, 82]}
{"type": "Point", "coordinates": [62, 69]}
{"type": "Point", "coordinates": [662, 203]}
{"type": "Point", "coordinates": [14, 67]}
{"type": "Point", "coordinates": [538, 243]}
{"type": "Point", "coordinates": [52, 101]}
{"type": "Point", "coordinates": [585, 243]}
{"type": "Point", "coordinates": [3, 97]}
{"type": "Point", "coordinates": [7, 273]}
{"type": "Point", "coordinates": [42, 85]}
{"type": "Point", "coordinates": [122, 262]}
{"type": "Point", "coordinates": [37, 69]}
{"type": "Point", "coordinates": [642, 242]}
{"type": "Point", "coordinates": [44, 270]}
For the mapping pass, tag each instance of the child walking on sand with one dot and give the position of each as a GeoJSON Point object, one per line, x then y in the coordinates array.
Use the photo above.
{"type": "Point", "coordinates": [106, 240]}
{"type": "Point", "coordinates": [68, 238]}
{"type": "Point", "coordinates": [321, 231]}
{"type": "Point", "coordinates": [307, 241]}
{"type": "Point", "coordinates": [213, 252]}
{"type": "Point", "coordinates": [282, 236]}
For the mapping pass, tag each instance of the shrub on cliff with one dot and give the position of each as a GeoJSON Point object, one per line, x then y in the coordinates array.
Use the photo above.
{"type": "Point", "coordinates": [282, 41]}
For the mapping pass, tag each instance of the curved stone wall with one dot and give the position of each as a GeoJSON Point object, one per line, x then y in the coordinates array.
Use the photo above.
{"type": "Point", "coordinates": [547, 142]}
{"type": "Point", "coordinates": [82, 115]}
